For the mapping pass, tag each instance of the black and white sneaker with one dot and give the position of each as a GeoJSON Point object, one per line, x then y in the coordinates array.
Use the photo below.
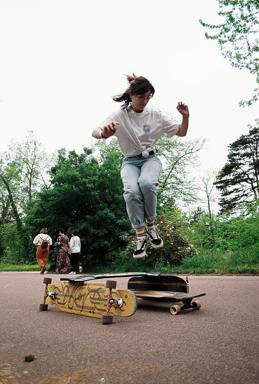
{"type": "Point", "coordinates": [155, 239]}
{"type": "Point", "coordinates": [140, 249]}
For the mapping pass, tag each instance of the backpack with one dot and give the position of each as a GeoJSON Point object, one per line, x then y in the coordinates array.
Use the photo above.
{"type": "Point", "coordinates": [44, 243]}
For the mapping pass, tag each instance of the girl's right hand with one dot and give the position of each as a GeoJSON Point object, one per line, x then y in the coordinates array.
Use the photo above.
{"type": "Point", "coordinates": [109, 129]}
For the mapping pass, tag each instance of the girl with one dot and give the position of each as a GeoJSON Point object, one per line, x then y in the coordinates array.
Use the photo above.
{"type": "Point", "coordinates": [75, 246]}
{"type": "Point", "coordinates": [63, 261]}
{"type": "Point", "coordinates": [137, 129]}
{"type": "Point", "coordinates": [42, 242]}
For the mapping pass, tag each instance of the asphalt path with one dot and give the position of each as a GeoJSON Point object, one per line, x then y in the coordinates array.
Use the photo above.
{"type": "Point", "coordinates": [218, 344]}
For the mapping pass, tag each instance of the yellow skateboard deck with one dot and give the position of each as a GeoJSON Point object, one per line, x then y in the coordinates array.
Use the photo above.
{"type": "Point", "coordinates": [90, 299]}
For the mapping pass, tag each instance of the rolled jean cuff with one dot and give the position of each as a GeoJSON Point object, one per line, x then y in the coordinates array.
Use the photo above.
{"type": "Point", "coordinates": [138, 225]}
{"type": "Point", "coordinates": [151, 219]}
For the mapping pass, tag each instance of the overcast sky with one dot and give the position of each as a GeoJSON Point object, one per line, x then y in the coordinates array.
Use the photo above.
{"type": "Point", "coordinates": [61, 61]}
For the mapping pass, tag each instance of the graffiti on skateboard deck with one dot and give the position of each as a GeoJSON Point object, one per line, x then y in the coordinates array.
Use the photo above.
{"type": "Point", "coordinates": [97, 300]}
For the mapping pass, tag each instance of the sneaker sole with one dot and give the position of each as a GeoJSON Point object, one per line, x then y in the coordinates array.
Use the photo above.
{"type": "Point", "coordinates": [157, 246]}
{"type": "Point", "coordinates": [140, 256]}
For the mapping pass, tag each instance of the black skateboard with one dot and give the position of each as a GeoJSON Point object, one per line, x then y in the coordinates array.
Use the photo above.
{"type": "Point", "coordinates": [159, 282]}
{"type": "Point", "coordinates": [165, 288]}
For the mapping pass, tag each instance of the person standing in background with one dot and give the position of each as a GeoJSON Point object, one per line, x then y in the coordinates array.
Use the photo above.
{"type": "Point", "coordinates": [63, 261]}
{"type": "Point", "coordinates": [42, 242]}
{"type": "Point", "coordinates": [75, 247]}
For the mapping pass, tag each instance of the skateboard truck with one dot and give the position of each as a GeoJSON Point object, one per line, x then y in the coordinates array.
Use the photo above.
{"type": "Point", "coordinates": [177, 308]}
{"type": "Point", "coordinates": [52, 294]}
{"type": "Point", "coordinates": [117, 303]}
{"type": "Point", "coordinates": [112, 302]}
{"type": "Point", "coordinates": [44, 306]}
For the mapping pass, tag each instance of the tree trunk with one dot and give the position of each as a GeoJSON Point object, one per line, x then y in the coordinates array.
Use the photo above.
{"type": "Point", "coordinates": [19, 224]}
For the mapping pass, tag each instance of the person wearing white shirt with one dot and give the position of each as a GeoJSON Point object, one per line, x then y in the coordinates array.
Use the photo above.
{"type": "Point", "coordinates": [138, 128]}
{"type": "Point", "coordinates": [75, 247]}
{"type": "Point", "coordinates": [42, 242]}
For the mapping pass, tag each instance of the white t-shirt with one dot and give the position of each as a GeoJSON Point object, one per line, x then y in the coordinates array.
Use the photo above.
{"type": "Point", "coordinates": [75, 244]}
{"type": "Point", "coordinates": [138, 132]}
{"type": "Point", "coordinates": [40, 237]}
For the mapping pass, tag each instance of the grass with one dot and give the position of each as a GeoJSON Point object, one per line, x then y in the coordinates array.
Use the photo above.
{"type": "Point", "coordinates": [6, 267]}
{"type": "Point", "coordinates": [242, 269]}
{"type": "Point", "coordinates": [219, 262]}
{"type": "Point", "coordinates": [205, 262]}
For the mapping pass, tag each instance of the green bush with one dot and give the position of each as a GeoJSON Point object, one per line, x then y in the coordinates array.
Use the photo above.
{"type": "Point", "coordinates": [175, 248]}
{"type": "Point", "coordinates": [11, 245]}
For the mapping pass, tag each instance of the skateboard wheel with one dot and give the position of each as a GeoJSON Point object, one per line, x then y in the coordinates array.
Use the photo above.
{"type": "Point", "coordinates": [175, 309]}
{"type": "Point", "coordinates": [111, 284]}
{"type": "Point", "coordinates": [47, 280]}
{"type": "Point", "coordinates": [43, 307]}
{"type": "Point", "coordinates": [107, 319]}
{"type": "Point", "coordinates": [196, 305]}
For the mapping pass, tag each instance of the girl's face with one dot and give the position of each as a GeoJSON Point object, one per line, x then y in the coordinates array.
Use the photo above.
{"type": "Point", "coordinates": [139, 102]}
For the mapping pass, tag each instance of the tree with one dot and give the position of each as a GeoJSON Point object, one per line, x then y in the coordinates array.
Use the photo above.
{"type": "Point", "coordinates": [237, 36]}
{"type": "Point", "coordinates": [238, 181]}
{"type": "Point", "coordinates": [208, 186]}
{"type": "Point", "coordinates": [5, 206]}
{"type": "Point", "coordinates": [237, 238]}
{"type": "Point", "coordinates": [10, 179]}
{"type": "Point", "coordinates": [22, 171]}
{"type": "Point", "coordinates": [85, 193]}
{"type": "Point", "coordinates": [175, 185]}
{"type": "Point", "coordinates": [202, 230]}
{"type": "Point", "coordinates": [32, 164]}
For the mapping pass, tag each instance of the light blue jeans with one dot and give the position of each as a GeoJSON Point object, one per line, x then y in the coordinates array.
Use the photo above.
{"type": "Point", "coordinates": [140, 179]}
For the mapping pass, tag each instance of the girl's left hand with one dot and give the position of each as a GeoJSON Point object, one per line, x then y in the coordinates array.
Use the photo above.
{"type": "Point", "coordinates": [183, 109]}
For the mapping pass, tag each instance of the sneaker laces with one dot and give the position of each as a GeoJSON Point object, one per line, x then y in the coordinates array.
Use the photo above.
{"type": "Point", "coordinates": [152, 231]}
{"type": "Point", "coordinates": [140, 241]}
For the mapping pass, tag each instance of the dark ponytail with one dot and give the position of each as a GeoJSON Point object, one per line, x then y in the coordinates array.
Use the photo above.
{"type": "Point", "coordinates": [138, 86]}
